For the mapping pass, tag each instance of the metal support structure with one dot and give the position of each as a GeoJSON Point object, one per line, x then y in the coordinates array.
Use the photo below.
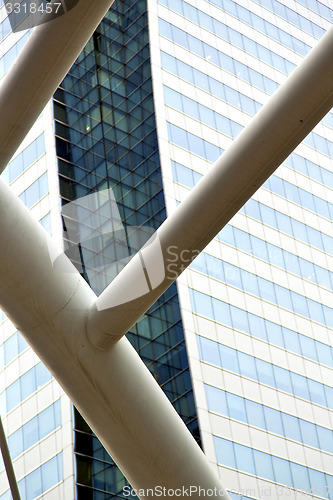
{"type": "Point", "coordinates": [55, 310]}
{"type": "Point", "coordinates": [113, 390]}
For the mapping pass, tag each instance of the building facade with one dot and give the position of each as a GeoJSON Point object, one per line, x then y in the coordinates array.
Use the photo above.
{"type": "Point", "coordinates": [242, 346]}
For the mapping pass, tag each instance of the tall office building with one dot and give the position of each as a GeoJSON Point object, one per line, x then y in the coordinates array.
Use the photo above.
{"type": "Point", "coordinates": [243, 345]}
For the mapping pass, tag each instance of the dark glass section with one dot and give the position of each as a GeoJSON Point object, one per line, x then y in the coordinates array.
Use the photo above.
{"type": "Point", "coordinates": [106, 140]}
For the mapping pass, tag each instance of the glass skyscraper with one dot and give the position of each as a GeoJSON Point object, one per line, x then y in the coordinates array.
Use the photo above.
{"type": "Point", "coordinates": [242, 345]}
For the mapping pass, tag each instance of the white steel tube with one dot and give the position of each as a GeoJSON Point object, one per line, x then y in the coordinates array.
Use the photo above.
{"type": "Point", "coordinates": [41, 66]}
{"type": "Point", "coordinates": [289, 115]}
{"type": "Point", "coordinates": [113, 389]}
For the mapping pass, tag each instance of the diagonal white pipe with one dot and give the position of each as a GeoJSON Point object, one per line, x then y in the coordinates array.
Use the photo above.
{"type": "Point", "coordinates": [284, 121]}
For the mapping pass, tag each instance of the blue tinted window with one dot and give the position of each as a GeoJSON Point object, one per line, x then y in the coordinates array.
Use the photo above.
{"type": "Point", "coordinates": [271, 467]}
{"type": "Point", "coordinates": [317, 394]}
{"type": "Point", "coordinates": [222, 312]}
{"type": "Point", "coordinates": [2, 357]}
{"type": "Point", "coordinates": [204, 82]}
{"type": "Point", "coordinates": [22, 344]}
{"type": "Point", "coordinates": [325, 437]}
{"type": "Point", "coordinates": [262, 25]}
{"type": "Point", "coordinates": [227, 235]}
{"type": "Point", "coordinates": [203, 305]}
{"type": "Point", "coordinates": [282, 471]}
{"type": "Point", "coordinates": [229, 358]}
{"type": "Point", "coordinates": [299, 304]}
{"type": "Point", "coordinates": [33, 484]}
{"type": "Point", "coordinates": [47, 475]}
{"type": "Point", "coordinates": [267, 290]}
{"type": "Point", "coordinates": [282, 378]}
{"type": "Point", "coordinates": [236, 407]}
{"type": "Point", "coordinates": [46, 420]}
{"type": "Point", "coordinates": [245, 459]}
{"type": "Point", "coordinates": [300, 477]}
{"type": "Point", "coordinates": [319, 8]}
{"type": "Point", "coordinates": [35, 429]}
{"type": "Point", "coordinates": [15, 443]}
{"type": "Point", "coordinates": [42, 374]}
{"type": "Point", "coordinates": [263, 463]}
{"type": "Point", "coordinates": [316, 311]}
{"type": "Point", "coordinates": [46, 223]}
{"type": "Point", "coordinates": [291, 427]}
{"type": "Point", "coordinates": [269, 419]}
{"type": "Point", "coordinates": [236, 496]}
{"type": "Point", "coordinates": [273, 420]}
{"type": "Point", "coordinates": [292, 342]}
{"type": "Point", "coordinates": [274, 333]}
{"type": "Point", "coordinates": [216, 400]}
{"type": "Point", "coordinates": [257, 326]}
{"type": "Point", "coordinates": [49, 472]}
{"type": "Point", "coordinates": [35, 192]}
{"type": "Point", "coordinates": [265, 372]}
{"type": "Point", "coordinates": [9, 57]}
{"type": "Point", "coordinates": [288, 225]}
{"type": "Point", "coordinates": [225, 452]}
{"type": "Point", "coordinates": [239, 319]}
{"type": "Point", "coordinates": [223, 60]}
{"type": "Point", "coordinates": [329, 396]}
{"type": "Point", "coordinates": [11, 348]}
{"type": "Point", "coordinates": [324, 353]}
{"type": "Point", "coordinates": [13, 395]}
{"type": "Point", "coordinates": [202, 113]}
{"type": "Point", "coordinates": [232, 274]}
{"type": "Point", "coordinates": [309, 434]}
{"type": "Point", "coordinates": [299, 196]}
{"type": "Point", "coordinates": [316, 141]}
{"type": "Point", "coordinates": [210, 351]}
{"type": "Point", "coordinates": [251, 283]}
{"type": "Point", "coordinates": [178, 136]}
{"type": "Point", "coordinates": [30, 433]}
{"type": "Point", "coordinates": [200, 263]}
{"type": "Point", "coordinates": [255, 414]}
{"type": "Point", "coordinates": [29, 381]}
{"type": "Point", "coordinates": [300, 385]}
{"type": "Point", "coordinates": [3, 403]}
{"type": "Point", "coordinates": [247, 365]}
{"type": "Point", "coordinates": [229, 34]}
{"type": "Point", "coordinates": [243, 241]}
{"type": "Point", "coordinates": [283, 298]}
{"type": "Point", "coordinates": [193, 143]}
{"type": "Point", "coordinates": [183, 175]}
